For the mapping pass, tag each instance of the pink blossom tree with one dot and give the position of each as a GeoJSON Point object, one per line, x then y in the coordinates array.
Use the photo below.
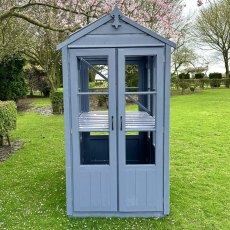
{"type": "Point", "coordinates": [47, 22]}
{"type": "Point", "coordinates": [159, 15]}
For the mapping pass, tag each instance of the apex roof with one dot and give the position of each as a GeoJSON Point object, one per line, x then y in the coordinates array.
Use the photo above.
{"type": "Point", "coordinates": [118, 18]}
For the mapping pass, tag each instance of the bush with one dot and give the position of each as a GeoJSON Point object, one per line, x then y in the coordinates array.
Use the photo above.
{"type": "Point", "coordinates": [57, 101]}
{"type": "Point", "coordinates": [37, 80]}
{"type": "Point", "coordinates": [215, 76]}
{"type": "Point", "coordinates": [184, 84]}
{"type": "Point", "coordinates": [184, 76]}
{"type": "Point", "coordinates": [199, 75]}
{"type": "Point", "coordinates": [215, 79]}
{"type": "Point", "coordinates": [227, 82]}
{"type": "Point", "coordinates": [12, 80]}
{"type": "Point", "coordinates": [201, 82]}
{"type": "Point", "coordinates": [8, 118]}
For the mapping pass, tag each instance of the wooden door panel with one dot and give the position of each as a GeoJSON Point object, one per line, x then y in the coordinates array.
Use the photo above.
{"type": "Point", "coordinates": [141, 184]}
{"type": "Point", "coordinates": [96, 191]}
{"type": "Point", "coordinates": [94, 182]}
{"type": "Point", "coordinates": [143, 191]}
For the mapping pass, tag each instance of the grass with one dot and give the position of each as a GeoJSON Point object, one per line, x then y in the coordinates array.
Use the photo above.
{"type": "Point", "coordinates": [32, 182]}
{"type": "Point", "coordinates": [41, 102]}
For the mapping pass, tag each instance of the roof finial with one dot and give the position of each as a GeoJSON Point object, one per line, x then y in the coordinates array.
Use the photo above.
{"type": "Point", "coordinates": [117, 2]}
{"type": "Point", "coordinates": [116, 14]}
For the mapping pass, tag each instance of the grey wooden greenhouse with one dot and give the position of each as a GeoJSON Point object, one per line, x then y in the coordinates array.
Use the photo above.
{"type": "Point", "coordinates": [116, 129]}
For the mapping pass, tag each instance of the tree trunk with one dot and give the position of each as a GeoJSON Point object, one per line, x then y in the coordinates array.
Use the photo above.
{"type": "Point", "coordinates": [1, 140]}
{"type": "Point", "coordinates": [8, 139]}
{"type": "Point", "coordinates": [31, 92]}
{"type": "Point", "coordinates": [225, 54]}
{"type": "Point", "coordinates": [54, 77]}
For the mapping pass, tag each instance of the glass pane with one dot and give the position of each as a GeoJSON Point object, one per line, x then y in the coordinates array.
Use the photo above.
{"type": "Point", "coordinates": [93, 105]}
{"type": "Point", "coordinates": [144, 102]}
{"type": "Point", "coordinates": [93, 74]}
{"type": "Point", "coordinates": [98, 81]}
{"type": "Point", "coordinates": [131, 77]}
{"type": "Point", "coordinates": [90, 103]}
{"type": "Point", "coordinates": [140, 148]}
{"type": "Point", "coordinates": [131, 106]}
{"type": "Point", "coordinates": [139, 73]}
{"type": "Point", "coordinates": [93, 94]}
{"type": "Point", "coordinates": [94, 148]}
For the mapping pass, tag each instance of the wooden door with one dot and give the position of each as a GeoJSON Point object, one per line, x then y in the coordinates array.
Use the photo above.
{"type": "Point", "coordinates": [93, 132]}
{"type": "Point", "coordinates": [140, 132]}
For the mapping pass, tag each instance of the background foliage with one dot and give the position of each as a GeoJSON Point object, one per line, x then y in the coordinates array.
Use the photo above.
{"type": "Point", "coordinates": [12, 79]}
{"type": "Point", "coordinates": [8, 117]}
{"type": "Point", "coordinates": [57, 101]}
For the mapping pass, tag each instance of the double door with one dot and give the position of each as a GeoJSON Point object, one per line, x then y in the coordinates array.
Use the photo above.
{"type": "Point", "coordinates": [117, 129]}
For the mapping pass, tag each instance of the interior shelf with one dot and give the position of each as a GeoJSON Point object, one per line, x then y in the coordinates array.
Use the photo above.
{"type": "Point", "coordinates": [98, 121]}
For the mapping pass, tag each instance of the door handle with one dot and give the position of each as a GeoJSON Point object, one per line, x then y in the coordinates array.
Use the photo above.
{"type": "Point", "coordinates": [112, 123]}
{"type": "Point", "coordinates": [121, 123]}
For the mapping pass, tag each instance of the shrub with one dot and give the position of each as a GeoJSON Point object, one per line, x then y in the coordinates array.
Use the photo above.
{"type": "Point", "coordinates": [194, 83]}
{"type": "Point", "coordinates": [202, 82]}
{"type": "Point", "coordinates": [175, 81]}
{"type": "Point", "coordinates": [184, 84]}
{"type": "Point", "coordinates": [12, 80]}
{"type": "Point", "coordinates": [37, 80]}
{"type": "Point", "coordinates": [184, 76]}
{"type": "Point", "coordinates": [227, 82]}
{"type": "Point", "coordinates": [215, 76]}
{"type": "Point", "coordinates": [215, 79]}
{"type": "Point", "coordinates": [57, 101]}
{"type": "Point", "coordinates": [8, 117]}
{"type": "Point", "coordinates": [199, 75]}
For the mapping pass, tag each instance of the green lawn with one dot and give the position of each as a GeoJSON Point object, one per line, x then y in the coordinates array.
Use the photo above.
{"type": "Point", "coordinates": [32, 182]}
{"type": "Point", "coordinates": [41, 102]}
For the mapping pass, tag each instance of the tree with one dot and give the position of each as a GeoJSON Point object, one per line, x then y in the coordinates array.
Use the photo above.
{"type": "Point", "coordinates": [43, 52]}
{"type": "Point", "coordinates": [159, 15]}
{"type": "Point", "coordinates": [13, 34]}
{"type": "Point", "coordinates": [213, 28]}
{"type": "Point", "coordinates": [37, 80]}
{"type": "Point", "coordinates": [182, 57]}
{"type": "Point", "coordinates": [48, 22]}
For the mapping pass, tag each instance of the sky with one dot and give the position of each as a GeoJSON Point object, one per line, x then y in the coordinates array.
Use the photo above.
{"type": "Point", "coordinates": [192, 9]}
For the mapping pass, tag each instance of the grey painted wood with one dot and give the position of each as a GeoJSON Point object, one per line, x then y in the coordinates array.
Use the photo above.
{"type": "Point", "coordinates": [82, 32]}
{"type": "Point", "coordinates": [93, 93]}
{"type": "Point", "coordinates": [140, 93]}
{"type": "Point", "coordinates": [138, 183]}
{"type": "Point", "coordinates": [107, 28]}
{"type": "Point", "coordinates": [118, 39]}
{"type": "Point", "coordinates": [119, 214]}
{"type": "Point", "coordinates": [116, 188]}
{"type": "Point", "coordinates": [114, 45]}
{"type": "Point", "coordinates": [96, 176]}
{"type": "Point", "coordinates": [149, 32]}
{"type": "Point", "coordinates": [99, 121]}
{"type": "Point", "coordinates": [166, 128]}
{"type": "Point", "coordinates": [67, 120]}
{"type": "Point", "coordinates": [159, 119]}
{"type": "Point", "coordinates": [100, 22]}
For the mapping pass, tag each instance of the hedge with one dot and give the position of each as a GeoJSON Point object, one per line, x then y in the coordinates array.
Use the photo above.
{"type": "Point", "coordinates": [215, 79]}
{"type": "Point", "coordinates": [199, 75]}
{"type": "Point", "coordinates": [13, 85]}
{"type": "Point", "coordinates": [202, 83]}
{"type": "Point", "coordinates": [8, 118]}
{"type": "Point", "coordinates": [184, 76]}
{"type": "Point", "coordinates": [57, 101]}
